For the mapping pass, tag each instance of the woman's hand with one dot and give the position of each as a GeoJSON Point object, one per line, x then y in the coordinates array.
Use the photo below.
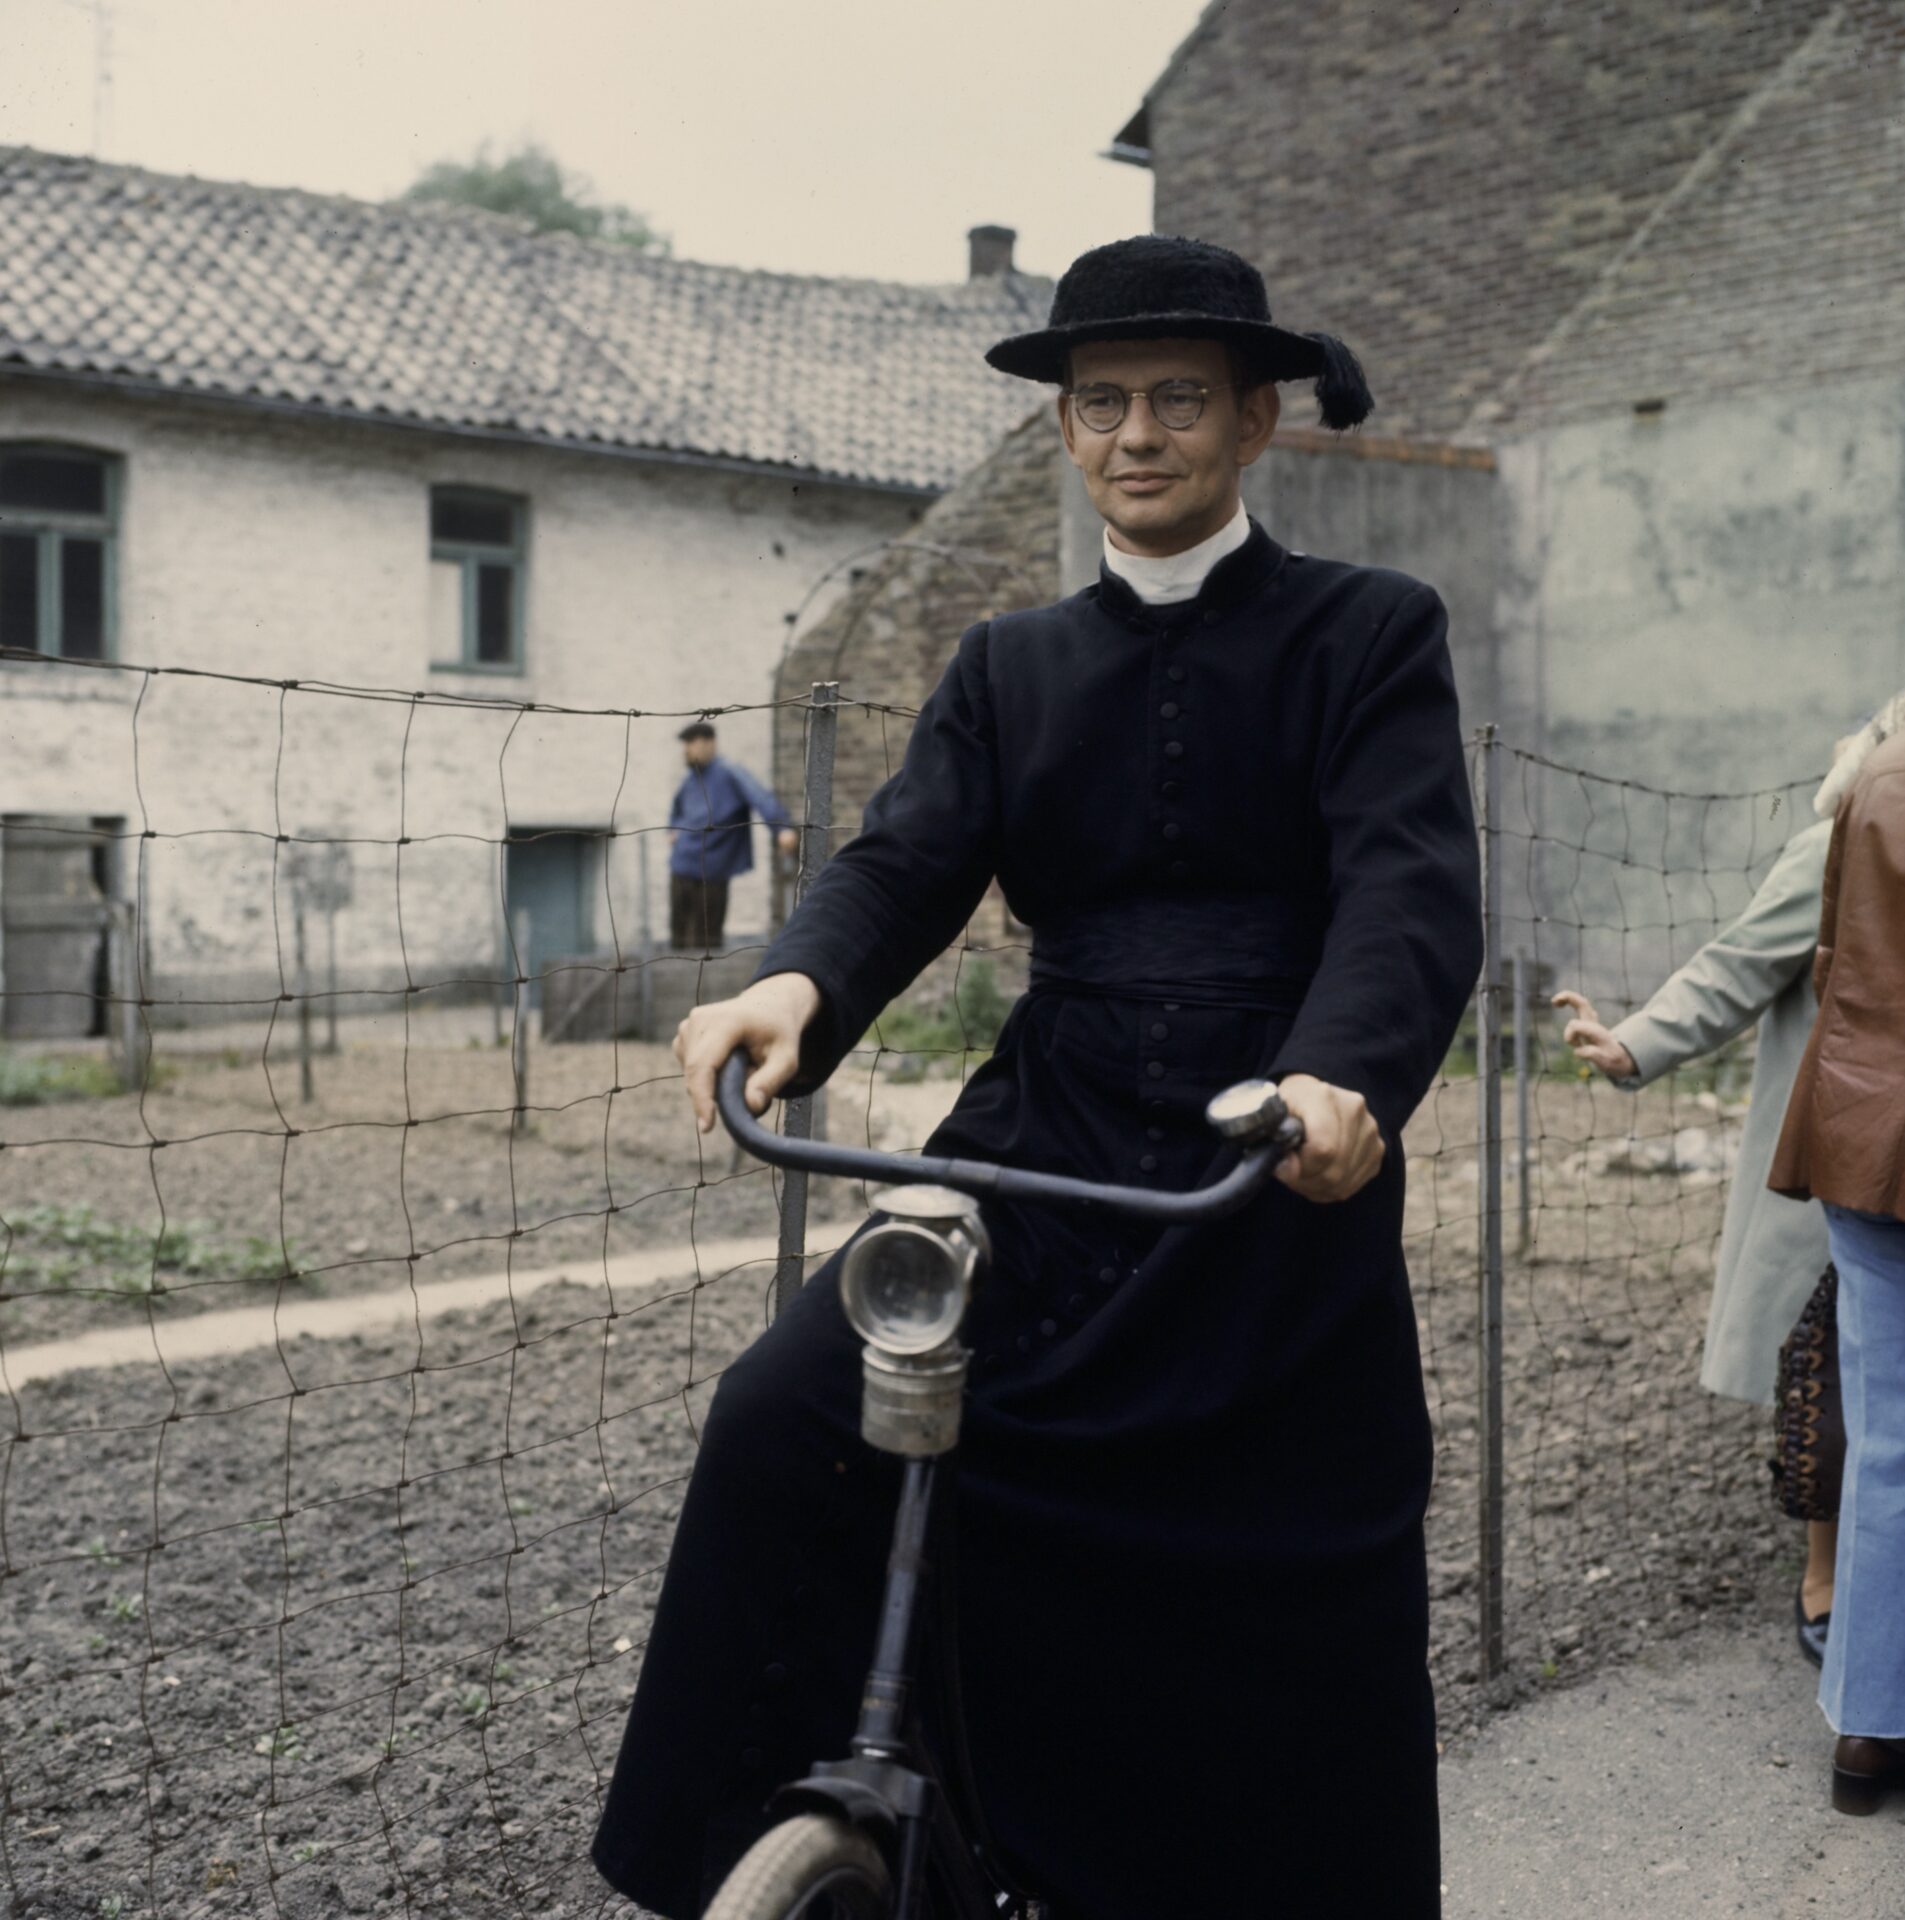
{"type": "Point", "coordinates": [766, 1018]}
{"type": "Point", "coordinates": [1592, 1041]}
{"type": "Point", "coordinates": [1342, 1148]}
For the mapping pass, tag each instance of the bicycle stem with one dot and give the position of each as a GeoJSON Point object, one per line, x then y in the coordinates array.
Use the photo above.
{"type": "Point", "coordinates": [881, 1733]}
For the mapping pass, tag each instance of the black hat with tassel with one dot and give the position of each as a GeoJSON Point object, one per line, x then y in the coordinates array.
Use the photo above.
{"type": "Point", "coordinates": [1159, 287]}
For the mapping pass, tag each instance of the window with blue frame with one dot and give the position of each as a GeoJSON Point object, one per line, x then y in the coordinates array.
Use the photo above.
{"type": "Point", "coordinates": [476, 579]}
{"type": "Point", "coordinates": [58, 508]}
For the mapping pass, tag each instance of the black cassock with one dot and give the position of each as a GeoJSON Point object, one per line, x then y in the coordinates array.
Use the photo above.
{"type": "Point", "coordinates": [1193, 1602]}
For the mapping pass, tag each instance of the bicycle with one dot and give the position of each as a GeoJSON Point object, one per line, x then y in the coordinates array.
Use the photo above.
{"type": "Point", "coordinates": [895, 1831]}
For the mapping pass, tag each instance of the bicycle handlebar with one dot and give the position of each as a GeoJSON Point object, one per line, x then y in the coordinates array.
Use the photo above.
{"type": "Point", "coordinates": [984, 1180]}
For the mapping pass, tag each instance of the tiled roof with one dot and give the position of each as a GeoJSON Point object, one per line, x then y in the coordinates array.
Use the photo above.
{"type": "Point", "coordinates": [447, 317]}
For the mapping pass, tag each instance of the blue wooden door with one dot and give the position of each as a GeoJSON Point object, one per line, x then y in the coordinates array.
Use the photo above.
{"type": "Point", "coordinates": [546, 875]}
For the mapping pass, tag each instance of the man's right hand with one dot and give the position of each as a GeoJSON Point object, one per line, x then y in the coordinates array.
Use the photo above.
{"type": "Point", "coordinates": [767, 1018]}
{"type": "Point", "coordinates": [1593, 1042]}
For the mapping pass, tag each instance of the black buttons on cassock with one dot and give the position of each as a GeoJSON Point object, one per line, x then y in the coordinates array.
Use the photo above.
{"type": "Point", "coordinates": [1179, 868]}
{"type": "Point", "coordinates": [1172, 830]}
{"type": "Point", "coordinates": [1076, 1303]}
{"type": "Point", "coordinates": [1023, 1343]}
{"type": "Point", "coordinates": [1169, 710]}
{"type": "Point", "coordinates": [1155, 1069]}
{"type": "Point", "coordinates": [1107, 1274]}
{"type": "Point", "coordinates": [1048, 1327]}
{"type": "Point", "coordinates": [1154, 1133]}
{"type": "Point", "coordinates": [1174, 749]}
{"type": "Point", "coordinates": [1175, 674]}
{"type": "Point", "coordinates": [1148, 1163]}
{"type": "Point", "coordinates": [1159, 1031]}
{"type": "Point", "coordinates": [1171, 789]}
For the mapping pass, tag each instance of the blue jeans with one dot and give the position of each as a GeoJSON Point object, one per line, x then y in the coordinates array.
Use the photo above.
{"type": "Point", "coordinates": [1862, 1689]}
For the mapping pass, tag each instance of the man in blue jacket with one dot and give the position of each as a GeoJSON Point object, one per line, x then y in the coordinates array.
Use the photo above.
{"type": "Point", "coordinates": [711, 839]}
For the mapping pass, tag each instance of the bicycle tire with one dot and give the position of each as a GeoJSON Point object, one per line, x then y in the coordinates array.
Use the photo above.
{"type": "Point", "coordinates": [804, 1862]}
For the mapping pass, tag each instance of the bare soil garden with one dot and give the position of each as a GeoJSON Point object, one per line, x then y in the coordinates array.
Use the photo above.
{"type": "Point", "coordinates": [349, 1626]}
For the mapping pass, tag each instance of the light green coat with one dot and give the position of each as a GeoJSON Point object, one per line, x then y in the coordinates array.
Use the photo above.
{"type": "Point", "coordinates": [1772, 1250]}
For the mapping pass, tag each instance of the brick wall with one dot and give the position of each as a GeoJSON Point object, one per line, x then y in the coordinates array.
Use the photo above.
{"type": "Point", "coordinates": [1446, 186]}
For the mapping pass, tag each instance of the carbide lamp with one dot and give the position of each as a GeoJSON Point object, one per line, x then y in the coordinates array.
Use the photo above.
{"type": "Point", "coordinates": [904, 1285]}
{"type": "Point", "coordinates": [905, 1281]}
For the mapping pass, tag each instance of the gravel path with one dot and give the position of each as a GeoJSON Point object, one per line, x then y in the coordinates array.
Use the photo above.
{"type": "Point", "coordinates": [1692, 1782]}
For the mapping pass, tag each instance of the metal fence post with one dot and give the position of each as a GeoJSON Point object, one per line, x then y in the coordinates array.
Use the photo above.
{"type": "Point", "coordinates": [1524, 1152]}
{"type": "Point", "coordinates": [122, 931]}
{"type": "Point", "coordinates": [645, 944]}
{"type": "Point", "coordinates": [330, 969]}
{"type": "Point", "coordinates": [307, 1085]}
{"type": "Point", "coordinates": [806, 1112]}
{"type": "Point", "coordinates": [1488, 1082]}
{"type": "Point", "coordinates": [519, 1030]}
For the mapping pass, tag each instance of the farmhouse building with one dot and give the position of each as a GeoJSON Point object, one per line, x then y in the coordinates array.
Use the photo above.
{"type": "Point", "coordinates": [289, 438]}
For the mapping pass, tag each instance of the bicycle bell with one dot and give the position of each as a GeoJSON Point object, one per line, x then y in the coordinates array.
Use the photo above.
{"type": "Point", "coordinates": [905, 1281]}
{"type": "Point", "coordinates": [1252, 1112]}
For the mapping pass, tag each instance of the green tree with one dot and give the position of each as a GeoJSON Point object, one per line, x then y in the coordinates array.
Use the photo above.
{"type": "Point", "coordinates": [532, 184]}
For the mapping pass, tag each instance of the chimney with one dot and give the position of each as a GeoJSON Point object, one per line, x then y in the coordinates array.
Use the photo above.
{"type": "Point", "coordinates": [991, 252]}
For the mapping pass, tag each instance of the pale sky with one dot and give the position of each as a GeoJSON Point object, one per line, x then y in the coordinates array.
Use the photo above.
{"type": "Point", "coordinates": [812, 136]}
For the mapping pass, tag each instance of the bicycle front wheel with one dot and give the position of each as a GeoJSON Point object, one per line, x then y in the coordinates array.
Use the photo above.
{"type": "Point", "coordinates": [813, 1867]}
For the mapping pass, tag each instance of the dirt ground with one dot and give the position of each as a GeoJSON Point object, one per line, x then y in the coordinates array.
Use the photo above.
{"type": "Point", "coordinates": [405, 1163]}
{"type": "Point", "coordinates": [350, 1626]}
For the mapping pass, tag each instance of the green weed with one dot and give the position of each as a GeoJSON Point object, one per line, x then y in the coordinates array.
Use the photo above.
{"type": "Point", "coordinates": [951, 1028]}
{"type": "Point", "coordinates": [38, 1079]}
{"type": "Point", "coordinates": [58, 1247]}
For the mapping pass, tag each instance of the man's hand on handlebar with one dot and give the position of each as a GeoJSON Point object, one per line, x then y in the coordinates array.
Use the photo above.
{"type": "Point", "coordinates": [767, 1019]}
{"type": "Point", "coordinates": [1342, 1148]}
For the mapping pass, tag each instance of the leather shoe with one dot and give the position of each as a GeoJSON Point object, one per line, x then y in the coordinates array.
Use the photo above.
{"type": "Point", "coordinates": [1863, 1771]}
{"type": "Point", "coordinates": [1811, 1633]}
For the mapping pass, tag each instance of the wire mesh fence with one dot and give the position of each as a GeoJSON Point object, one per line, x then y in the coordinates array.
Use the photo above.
{"type": "Point", "coordinates": [350, 1389]}
{"type": "Point", "coordinates": [1624, 1501]}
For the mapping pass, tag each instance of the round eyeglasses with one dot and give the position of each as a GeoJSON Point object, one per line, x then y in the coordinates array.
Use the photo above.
{"type": "Point", "coordinates": [1174, 403]}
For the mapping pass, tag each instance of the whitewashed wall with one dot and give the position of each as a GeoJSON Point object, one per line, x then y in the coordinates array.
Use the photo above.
{"type": "Point", "coordinates": [255, 544]}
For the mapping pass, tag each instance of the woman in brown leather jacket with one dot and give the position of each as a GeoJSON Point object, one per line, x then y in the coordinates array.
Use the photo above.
{"type": "Point", "coordinates": [1844, 1143]}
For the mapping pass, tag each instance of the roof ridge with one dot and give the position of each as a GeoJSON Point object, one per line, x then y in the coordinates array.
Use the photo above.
{"type": "Point", "coordinates": [515, 226]}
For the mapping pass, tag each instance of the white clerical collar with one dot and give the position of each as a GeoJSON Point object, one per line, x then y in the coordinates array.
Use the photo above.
{"type": "Point", "coordinates": [1178, 576]}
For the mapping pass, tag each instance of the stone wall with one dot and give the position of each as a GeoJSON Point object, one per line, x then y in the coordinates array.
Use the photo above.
{"type": "Point", "coordinates": [989, 545]}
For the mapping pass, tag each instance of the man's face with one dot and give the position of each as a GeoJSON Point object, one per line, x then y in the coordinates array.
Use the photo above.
{"type": "Point", "coordinates": [1162, 489]}
{"type": "Point", "coordinates": [697, 753]}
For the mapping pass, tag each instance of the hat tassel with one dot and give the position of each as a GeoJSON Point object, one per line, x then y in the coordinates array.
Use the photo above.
{"type": "Point", "coordinates": [1342, 394]}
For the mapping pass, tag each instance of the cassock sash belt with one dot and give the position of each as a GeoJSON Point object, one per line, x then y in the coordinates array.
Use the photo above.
{"type": "Point", "coordinates": [1236, 950]}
